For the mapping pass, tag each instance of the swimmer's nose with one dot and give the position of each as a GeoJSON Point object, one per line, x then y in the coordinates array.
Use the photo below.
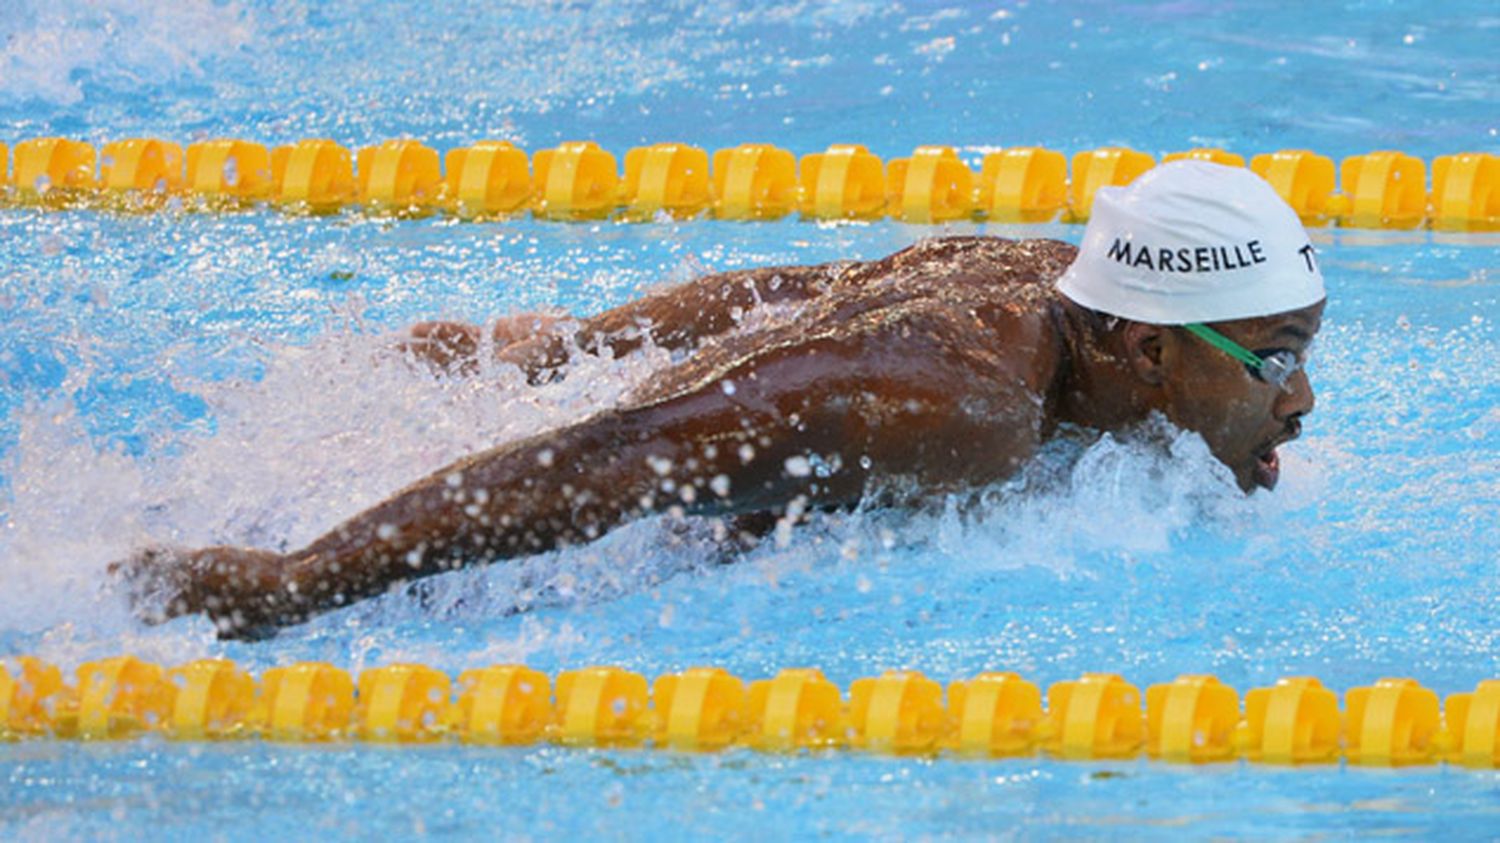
{"type": "Point", "coordinates": [1298, 401]}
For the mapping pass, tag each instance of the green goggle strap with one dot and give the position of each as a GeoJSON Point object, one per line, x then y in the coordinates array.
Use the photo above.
{"type": "Point", "coordinates": [1225, 344]}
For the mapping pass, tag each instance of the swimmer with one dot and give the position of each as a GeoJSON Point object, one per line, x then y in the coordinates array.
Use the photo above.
{"type": "Point", "coordinates": [1194, 296]}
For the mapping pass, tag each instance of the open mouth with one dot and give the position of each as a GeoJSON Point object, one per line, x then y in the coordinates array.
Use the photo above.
{"type": "Point", "coordinates": [1268, 461]}
{"type": "Point", "coordinates": [1268, 468]}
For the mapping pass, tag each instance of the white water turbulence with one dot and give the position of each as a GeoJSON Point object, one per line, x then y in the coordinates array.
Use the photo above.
{"type": "Point", "coordinates": [329, 430]}
{"type": "Point", "coordinates": [48, 46]}
{"type": "Point", "coordinates": [315, 427]}
{"type": "Point", "coordinates": [337, 425]}
{"type": "Point", "coordinates": [312, 431]}
{"type": "Point", "coordinates": [1116, 496]}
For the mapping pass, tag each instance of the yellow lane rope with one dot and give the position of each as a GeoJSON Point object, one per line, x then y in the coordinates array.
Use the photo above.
{"type": "Point", "coordinates": [1193, 719]}
{"type": "Point", "coordinates": [581, 181]}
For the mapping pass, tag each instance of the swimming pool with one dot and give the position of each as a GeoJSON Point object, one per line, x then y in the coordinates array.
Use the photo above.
{"type": "Point", "coordinates": [201, 378]}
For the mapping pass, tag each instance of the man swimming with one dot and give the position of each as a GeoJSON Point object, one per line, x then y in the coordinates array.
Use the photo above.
{"type": "Point", "coordinates": [1195, 295]}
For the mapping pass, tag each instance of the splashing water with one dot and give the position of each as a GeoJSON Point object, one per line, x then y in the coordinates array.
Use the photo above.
{"type": "Point", "coordinates": [335, 426]}
{"type": "Point", "coordinates": [232, 380]}
{"type": "Point", "coordinates": [49, 49]}
{"type": "Point", "coordinates": [179, 378]}
{"type": "Point", "coordinates": [330, 429]}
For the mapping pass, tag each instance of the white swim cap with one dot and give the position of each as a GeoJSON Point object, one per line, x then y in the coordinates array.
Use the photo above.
{"type": "Point", "coordinates": [1191, 241]}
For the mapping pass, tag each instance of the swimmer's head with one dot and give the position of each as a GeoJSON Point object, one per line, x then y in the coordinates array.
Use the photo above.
{"type": "Point", "coordinates": [1216, 295]}
{"type": "Point", "coordinates": [1241, 411]}
{"type": "Point", "coordinates": [1190, 242]}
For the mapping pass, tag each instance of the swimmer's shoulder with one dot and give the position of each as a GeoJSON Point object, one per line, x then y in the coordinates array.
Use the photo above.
{"type": "Point", "coordinates": [995, 268]}
{"type": "Point", "coordinates": [985, 258]}
{"type": "Point", "coordinates": [1031, 257]}
{"type": "Point", "coordinates": [961, 274]}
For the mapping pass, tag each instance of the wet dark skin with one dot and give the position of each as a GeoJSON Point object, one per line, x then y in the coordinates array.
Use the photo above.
{"type": "Point", "coordinates": [943, 366]}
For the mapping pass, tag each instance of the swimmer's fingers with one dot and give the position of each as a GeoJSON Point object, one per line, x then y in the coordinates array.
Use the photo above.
{"type": "Point", "coordinates": [157, 583]}
{"type": "Point", "coordinates": [447, 346]}
{"type": "Point", "coordinates": [509, 330]}
{"type": "Point", "coordinates": [233, 586]}
{"type": "Point", "coordinates": [529, 340]}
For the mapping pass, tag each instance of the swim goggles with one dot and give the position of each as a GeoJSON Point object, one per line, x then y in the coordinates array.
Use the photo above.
{"type": "Point", "coordinates": [1273, 366]}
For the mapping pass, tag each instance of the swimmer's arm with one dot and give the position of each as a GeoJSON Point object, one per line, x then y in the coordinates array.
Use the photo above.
{"type": "Point", "coordinates": [796, 424]}
{"type": "Point", "coordinates": [676, 318]}
{"type": "Point", "coordinates": [699, 454]}
{"type": "Point", "coordinates": [541, 494]}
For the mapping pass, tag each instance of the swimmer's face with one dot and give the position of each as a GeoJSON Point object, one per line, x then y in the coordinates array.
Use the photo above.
{"type": "Point", "coordinates": [1242, 418]}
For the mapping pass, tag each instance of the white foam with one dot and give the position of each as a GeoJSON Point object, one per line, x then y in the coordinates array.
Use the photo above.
{"type": "Point", "coordinates": [47, 45]}
{"type": "Point", "coordinates": [335, 426]}
{"type": "Point", "coordinates": [331, 428]}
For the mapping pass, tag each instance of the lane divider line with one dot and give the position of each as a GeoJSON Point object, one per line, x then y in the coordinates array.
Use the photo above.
{"type": "Point", "coordinates": [580, 180]}
{"type": "Point", "coordinates": [1194, 719]}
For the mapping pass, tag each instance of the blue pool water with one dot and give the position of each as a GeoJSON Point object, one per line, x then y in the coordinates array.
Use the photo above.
{"type": "Point", "coordinates": [204, 379]}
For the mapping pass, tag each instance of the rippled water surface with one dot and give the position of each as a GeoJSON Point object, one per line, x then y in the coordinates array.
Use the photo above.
{"type": "Point", "coordinates": [201, 379]}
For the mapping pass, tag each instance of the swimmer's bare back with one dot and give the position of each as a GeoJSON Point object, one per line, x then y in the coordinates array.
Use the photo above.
{"type": "Point", "coordinates": [937, 364]}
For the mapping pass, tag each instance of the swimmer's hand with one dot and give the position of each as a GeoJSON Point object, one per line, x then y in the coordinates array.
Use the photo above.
{"type": "Point", "coordinates": [238, 588]}
{"type": "Point", "coordinates": [453, 347]}
{"type": "Point", "coordinates": [448, 347]}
